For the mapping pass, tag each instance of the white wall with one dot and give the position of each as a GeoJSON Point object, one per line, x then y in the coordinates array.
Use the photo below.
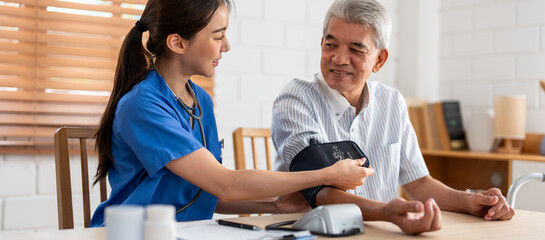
{"type": "Point", "coordinates": [486, 47]}
{"type": "Point", "coordinates": [493, 48]}
{"type": "Point", "coordinates": [28, 199]}
{"type": "Point", "coordinates": [419, 54]}
{"type": "Point", "coordinates": [490, 48]}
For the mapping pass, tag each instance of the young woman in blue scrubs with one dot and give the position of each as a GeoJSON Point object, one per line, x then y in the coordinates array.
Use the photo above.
{"type": "Point", "coordinates": [149, 143]}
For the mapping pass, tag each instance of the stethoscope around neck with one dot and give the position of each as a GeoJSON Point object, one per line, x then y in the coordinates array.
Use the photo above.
{"type": "Point", "coordinates": [189, 111]}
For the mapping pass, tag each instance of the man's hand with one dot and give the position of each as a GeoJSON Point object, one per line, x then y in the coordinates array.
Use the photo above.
{"type": "Point", "coordinates": [413, 217]}
{"type": "Point", "coordinates": [290, 203]}
{"type": "Point", "coordinates": [491, 204]}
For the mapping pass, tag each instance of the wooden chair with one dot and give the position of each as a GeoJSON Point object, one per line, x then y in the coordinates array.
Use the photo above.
{"type": "Point", "coordinates": [62, 168]}
{"type": "Point", "coordinates": [238, 143]}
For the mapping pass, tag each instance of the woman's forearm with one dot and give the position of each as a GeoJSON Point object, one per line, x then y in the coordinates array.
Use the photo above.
{"type": "Point", "coordinates": [202, 169]}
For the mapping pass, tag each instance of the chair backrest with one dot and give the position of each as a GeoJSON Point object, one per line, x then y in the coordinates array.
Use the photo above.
{"type": "Point", "coordinates": [238, 143]}
{"type": "Point", "coordinates": [62, 168]}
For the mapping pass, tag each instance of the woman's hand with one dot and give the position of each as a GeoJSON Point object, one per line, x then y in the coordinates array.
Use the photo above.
{"type": "Point", "coordinates": [348, 173]}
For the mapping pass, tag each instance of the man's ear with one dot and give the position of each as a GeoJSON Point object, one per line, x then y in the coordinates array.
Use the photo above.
{"type": "Point", "coordinates": [176, 44]}
{"type": "Point", "coordinates": [381, 59]}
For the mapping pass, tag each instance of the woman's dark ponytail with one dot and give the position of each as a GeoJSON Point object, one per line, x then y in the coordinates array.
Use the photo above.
{"type": "Point", "coordinates": [132, 66]}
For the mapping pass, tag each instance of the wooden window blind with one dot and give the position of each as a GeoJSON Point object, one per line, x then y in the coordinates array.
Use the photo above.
{"type": "Point", "coordinates": [57, 62]}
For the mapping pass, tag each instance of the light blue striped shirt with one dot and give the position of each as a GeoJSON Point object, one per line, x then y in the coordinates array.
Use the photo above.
{"type": "Point", "coordinates": [305, 110]}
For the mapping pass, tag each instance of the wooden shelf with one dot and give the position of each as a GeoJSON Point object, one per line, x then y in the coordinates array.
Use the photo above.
{"type": "Point", "coordinates": [474, 170]}
{"type": "Point", "coordinates": [483, 155]}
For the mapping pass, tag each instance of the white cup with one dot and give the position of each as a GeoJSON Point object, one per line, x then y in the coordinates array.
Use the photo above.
{"type": "Point", "coordinates": [124, 222]}
{"type": "Point", "coordinates": [160, 223]}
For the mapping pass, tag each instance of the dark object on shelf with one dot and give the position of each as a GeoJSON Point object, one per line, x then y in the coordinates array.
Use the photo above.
{"type": "Point", "coordinates": [453, 121]}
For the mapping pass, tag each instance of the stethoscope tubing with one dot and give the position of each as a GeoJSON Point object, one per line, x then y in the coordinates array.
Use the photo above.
{"type": "Point", "coordinates": [203, 139]}
{"type": "Point", "coordinates": [191, 116]}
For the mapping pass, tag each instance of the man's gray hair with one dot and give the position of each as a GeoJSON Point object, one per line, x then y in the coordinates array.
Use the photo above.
{"type": "Point", "coordinates": [370, 13]}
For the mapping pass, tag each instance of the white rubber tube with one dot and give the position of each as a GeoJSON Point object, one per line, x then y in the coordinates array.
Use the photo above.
{"type": "Point", "coordinates": [513, 189]}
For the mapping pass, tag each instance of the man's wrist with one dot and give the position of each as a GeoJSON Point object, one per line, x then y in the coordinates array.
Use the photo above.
{"type": "Point", "coordinates": [383, 213]}
{"type": "Point", "coordinates": [466, 199]}
{"type": "Point", "coordinates": [321, 196]}
{"type": "Point", "coordinates": [326, 196]}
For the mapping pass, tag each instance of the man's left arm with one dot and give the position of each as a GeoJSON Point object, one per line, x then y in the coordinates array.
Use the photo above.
{"type": "Point", "coordinates": [490, 204]}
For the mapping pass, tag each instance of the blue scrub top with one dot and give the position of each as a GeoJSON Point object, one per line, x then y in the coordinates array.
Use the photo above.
{"type": "Point", "coordinates": [150, 129]}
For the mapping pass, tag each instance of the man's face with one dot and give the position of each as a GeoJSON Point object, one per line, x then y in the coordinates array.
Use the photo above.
{"type": "Point", "coordinates": [349, 55]}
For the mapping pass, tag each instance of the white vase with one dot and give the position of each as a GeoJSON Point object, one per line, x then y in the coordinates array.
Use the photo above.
{"type": "Point", "coordinates": [480, 130]}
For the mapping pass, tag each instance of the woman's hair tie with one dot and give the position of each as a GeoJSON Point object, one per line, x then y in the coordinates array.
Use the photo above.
{"type": "Point", "coordinates": [141, 27]}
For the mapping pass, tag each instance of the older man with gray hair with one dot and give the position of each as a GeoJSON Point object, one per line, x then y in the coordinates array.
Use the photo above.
{"type": "Point", "coordinates": [341, 104]}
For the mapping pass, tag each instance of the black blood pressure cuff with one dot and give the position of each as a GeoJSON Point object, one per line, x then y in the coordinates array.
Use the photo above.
{"type": "Point", "coordinates": [320, 155]}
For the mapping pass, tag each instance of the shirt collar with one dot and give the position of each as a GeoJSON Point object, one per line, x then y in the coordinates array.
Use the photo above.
{"type": "Point", "coordinates": [337, 102]}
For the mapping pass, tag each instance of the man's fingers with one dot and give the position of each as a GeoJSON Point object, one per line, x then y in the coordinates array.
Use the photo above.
{"type": "Point", "coordinates": [508, 215]}
{"type": "Point", "coordinates": [429, 215]}
{"type": "Point", "coordinates": [417, 207]}
{"type": "Point", "coordinates": [486, 200]}
{"type": "Point", "coordinates": [491, 212]}
{"type": "Point", "coordinates": [438, 219]}
{"type": "Point", "coordinates": [414, 217]}
{"type": "Point", "coordinates": [496, 211]}
{"type": "Point", "coordinates": [409, 206]}
{"type": "Point", "coordinates": [498, 214]}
